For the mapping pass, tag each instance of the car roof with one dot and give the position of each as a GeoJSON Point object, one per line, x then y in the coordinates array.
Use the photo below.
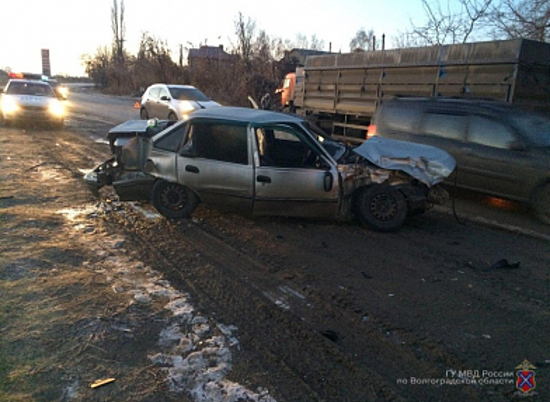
{"type": "Point", "coordinates": [241, 114]}
{"type": "Point", "coordinates": [24, 80]}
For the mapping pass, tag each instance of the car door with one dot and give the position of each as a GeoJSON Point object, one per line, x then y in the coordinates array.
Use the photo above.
{"type": "Point", "coordinates": [293, 177]}
{"type": "Point", "coordinates": [215, 162]}
{"type": "Point", "coordinates": [163, 103]}
{"type": "Point", "coordinates": [151, 103]}
{"type": "Point", "coordinates": [495, 165]}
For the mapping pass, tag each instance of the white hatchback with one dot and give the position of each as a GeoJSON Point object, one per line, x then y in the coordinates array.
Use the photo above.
{"type": "Point", "coordinates": [31, 101]}
{"type": "Point", "coordinates": [172, 102]}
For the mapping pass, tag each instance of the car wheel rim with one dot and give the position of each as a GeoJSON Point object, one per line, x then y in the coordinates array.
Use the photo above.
{"type": "Point", "coordinates": [174, 198]}
{"type": "Point", "coordinates": [383, 207]}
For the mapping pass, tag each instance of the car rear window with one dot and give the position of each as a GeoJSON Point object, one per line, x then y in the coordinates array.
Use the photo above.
{"type": "Point", "coordinates": [188, 94]}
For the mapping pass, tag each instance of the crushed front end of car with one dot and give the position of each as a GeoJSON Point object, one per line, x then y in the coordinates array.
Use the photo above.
{"type": "Point", "coordinates": [125, 170]}
{"type": "Point", "coordinates": [384, 181]}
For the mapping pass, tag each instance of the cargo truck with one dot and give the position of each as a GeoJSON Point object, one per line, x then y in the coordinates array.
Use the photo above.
{"type": "Point", "coordinates": [341, 92]}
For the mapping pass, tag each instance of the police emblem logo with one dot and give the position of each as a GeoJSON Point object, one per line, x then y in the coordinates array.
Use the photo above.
{"type": "Point", "coordinates": [526, 377]}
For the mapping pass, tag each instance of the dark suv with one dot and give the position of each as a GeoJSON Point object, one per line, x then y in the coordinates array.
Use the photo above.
{"type": "Point", "coordinates": [500, 149]}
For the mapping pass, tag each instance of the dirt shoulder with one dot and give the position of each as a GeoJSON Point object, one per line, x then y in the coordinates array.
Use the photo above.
{"type": "Point", "coordinates": [77, 303]}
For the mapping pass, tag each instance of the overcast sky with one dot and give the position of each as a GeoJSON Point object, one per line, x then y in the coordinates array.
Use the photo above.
{"type": "Point", "coordinates": [71, 28]}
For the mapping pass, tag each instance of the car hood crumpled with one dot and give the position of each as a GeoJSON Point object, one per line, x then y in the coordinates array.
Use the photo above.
{"type": "Point", "coordinates": [428, 164]}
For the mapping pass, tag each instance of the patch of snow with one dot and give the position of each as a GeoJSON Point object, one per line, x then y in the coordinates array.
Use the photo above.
{"type": "Point", "coordinates": [196, 362]}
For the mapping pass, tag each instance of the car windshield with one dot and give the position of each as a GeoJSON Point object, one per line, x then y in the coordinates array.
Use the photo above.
{"type": "Point", "coordinates": [181, 93]}
{"type": "Point", "coordinates": [336, 149]}
{"type": "Point", "coordinates": [535, 127]}
{"type": "Point", "coordinates": [29, 88]}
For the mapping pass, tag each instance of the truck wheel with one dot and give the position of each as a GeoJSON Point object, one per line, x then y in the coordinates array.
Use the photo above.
{"type": "Point", "coordinates": [173, 200]}
{"type": "Point", "coordinates": [541, 203]}
{"type": "Point", "coordinates": [143, 114]}
{"type": "Point", "coordinates": [381, 207]}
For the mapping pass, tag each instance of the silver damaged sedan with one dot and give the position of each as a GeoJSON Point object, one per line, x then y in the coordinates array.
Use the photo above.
{"type": "Point", "coordinates": [268, 163]}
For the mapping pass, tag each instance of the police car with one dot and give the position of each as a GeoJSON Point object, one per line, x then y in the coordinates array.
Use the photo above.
{"type": "Point", "coordinates": [28, 100]}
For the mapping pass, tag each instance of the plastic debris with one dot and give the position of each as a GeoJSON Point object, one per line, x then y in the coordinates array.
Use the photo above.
{"type": "Point", "coordinates": [100, 383]}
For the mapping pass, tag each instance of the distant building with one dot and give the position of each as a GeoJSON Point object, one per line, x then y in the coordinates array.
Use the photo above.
{"type": "Point", "coordinates": [209, 54]}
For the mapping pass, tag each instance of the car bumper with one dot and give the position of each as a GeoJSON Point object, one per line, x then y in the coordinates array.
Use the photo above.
{"type": "Point", "coordinates": [129, 186]}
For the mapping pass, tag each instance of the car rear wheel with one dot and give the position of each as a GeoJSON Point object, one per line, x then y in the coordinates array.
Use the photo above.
{"type": "Point", "coordinates": [172, 116]}
{"type": "Point", "coordinates": [143, 114]}
{"type": "Point", "coordinates": [541, 203]}
{"type": "Point", "coordinates": [173, 200]}
{"type": "Point", "coordinates": [381, 207]}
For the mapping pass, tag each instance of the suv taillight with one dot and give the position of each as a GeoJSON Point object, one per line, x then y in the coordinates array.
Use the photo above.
{"type": "Point", "coordinates": [371, 132]}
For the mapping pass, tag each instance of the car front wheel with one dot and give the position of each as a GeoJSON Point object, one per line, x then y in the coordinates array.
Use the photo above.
{"type": "Point", "coordinates": [381, 207]}
{"type": "Point", "coordinates": [173, 200]}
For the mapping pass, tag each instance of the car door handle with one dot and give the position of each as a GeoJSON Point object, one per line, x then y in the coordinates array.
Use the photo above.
{"type": "Point", "coordinates": [192, 169]}
{"type": "Point", "coordinates": [263, 179]}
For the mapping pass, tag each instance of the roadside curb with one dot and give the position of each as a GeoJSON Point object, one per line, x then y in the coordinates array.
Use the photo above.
{"type": "Point", "coordinates": [495, 225]}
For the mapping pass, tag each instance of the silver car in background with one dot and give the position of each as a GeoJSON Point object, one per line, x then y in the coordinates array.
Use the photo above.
{"type": "Point", "coordinates": [172, 102]}
{"type": "Point", "coordinates": [267, 163]}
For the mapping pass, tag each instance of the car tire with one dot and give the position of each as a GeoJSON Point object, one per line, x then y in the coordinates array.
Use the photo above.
{"type": "Point", "coordinates": [541, 203]}
{"type": "Point", "coordinates": [381, 207]}
{"type": "Point", "coordinates": [173, 200]}
{"type": "Point", "coordinates": [143, 114]}
{"type": "Point", "coordinates": [172, 116]}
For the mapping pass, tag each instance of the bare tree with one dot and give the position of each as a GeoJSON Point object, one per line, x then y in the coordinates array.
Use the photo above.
{"type": "Point", "coordinates": [245, 31]}
{"type": "Point", "coordinates": [119, 30]}
{"type": "Point", "coordinates": [522, 19]}
{"type": "Point", "coordinates": [363, 40]}
{"type": "Point", "coordinates": [444, 25]}
{"type": "Point", "coordinates": [314, 43]}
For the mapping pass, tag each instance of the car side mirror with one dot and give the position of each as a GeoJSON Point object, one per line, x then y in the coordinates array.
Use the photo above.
{"type": "Point", "coordinates": [164, 98]}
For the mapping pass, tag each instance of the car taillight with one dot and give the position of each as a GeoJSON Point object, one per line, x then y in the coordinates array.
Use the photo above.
{"type": "Point", "coordinates": [371, 132]}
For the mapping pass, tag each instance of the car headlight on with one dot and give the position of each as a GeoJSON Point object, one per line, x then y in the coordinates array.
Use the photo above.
{"type": "Point", "coordinates": [9, 105]}
{"type": "Point", "coordinates": [64, 92]}
{"type": "Point", "coordinates": [187, 107]}
{"type": "Point", "coordinates": [56, 109]}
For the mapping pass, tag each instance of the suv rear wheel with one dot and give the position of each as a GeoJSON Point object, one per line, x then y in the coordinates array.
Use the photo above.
{"type": "Point", "coordinates": [381, 207]}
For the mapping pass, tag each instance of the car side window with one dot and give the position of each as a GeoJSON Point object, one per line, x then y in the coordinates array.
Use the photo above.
{"type": "Point", "coordinates": [164, 92]}
{"type": "Point", "coordinates": [444, 125]}
{"type": "Point", "coordinates": [172, 140]}
{"type": "Point", "coordinates": [282, 147]}
{"type": "Point", "coordinates": [154, 93]}
{"type": "Point", "coordinates": [484, 131]}
{"type": "Point", "coordinates": [401, 119]}
{"type": "Point", "coordinates": [221, 142]}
